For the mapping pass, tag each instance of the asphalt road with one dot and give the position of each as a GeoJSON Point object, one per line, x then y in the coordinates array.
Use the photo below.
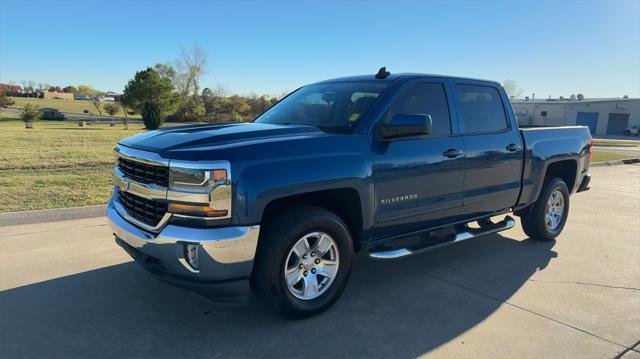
{"type": "Point", "coordinates": [82, 117]}
{"type": "Point", "coordinates": [66, 290]}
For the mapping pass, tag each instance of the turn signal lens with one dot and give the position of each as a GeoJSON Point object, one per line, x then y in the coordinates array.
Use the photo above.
{"type": "Point", "coordinates": [203, 211]}
{"type": "Point", "coordinates": [219, 176]}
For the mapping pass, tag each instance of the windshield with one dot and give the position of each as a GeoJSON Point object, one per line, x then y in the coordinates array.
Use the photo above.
{"type": "Point", "coordinates": [333, 107]}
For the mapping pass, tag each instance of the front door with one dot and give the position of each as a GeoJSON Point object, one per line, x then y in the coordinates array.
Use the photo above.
{"type": "Point", "coordinates": [418, 181]}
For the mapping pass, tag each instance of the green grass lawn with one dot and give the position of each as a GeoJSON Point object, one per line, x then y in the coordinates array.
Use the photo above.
{"type": "Point", "coordinates": [602, 156]}
{"type": "Point", "coordinates": [56, 164]}
{"type": "Point", "coordinates": [619, 143]}
{"type": "Point", "coordinates": [69, 106]}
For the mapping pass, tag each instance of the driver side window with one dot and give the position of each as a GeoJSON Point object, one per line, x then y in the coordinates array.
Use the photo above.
{"type": "Point", "coordinates": [425, 99]}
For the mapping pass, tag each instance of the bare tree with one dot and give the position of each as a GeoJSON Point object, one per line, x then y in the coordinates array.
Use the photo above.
{"type": "Point", "coordinates": [190, 68]}
{"type": "Point", "coordinates": [220, 91]}
{"type": "Point", "coordinates": [97, 102]}
{"type": "Point", "coordinates": [512, 89]}
{"type": "Point", "coordinates": [126, 118]}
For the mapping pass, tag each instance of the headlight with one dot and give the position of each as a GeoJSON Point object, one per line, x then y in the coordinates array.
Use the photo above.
{"type": "Point", "coordinates": [195, 180]}
{"type": "Point", "coordinates": [199, 189]}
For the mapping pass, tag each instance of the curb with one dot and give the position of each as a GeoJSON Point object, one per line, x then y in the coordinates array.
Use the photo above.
{"type": "Point", "coordinates": [626, 161]}
{"type": "Point", "coordinates": [51, 215]}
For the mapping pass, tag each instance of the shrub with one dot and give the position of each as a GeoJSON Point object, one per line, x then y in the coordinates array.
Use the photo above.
{"type": "Point", "coordinates": [30, 113]}
{"type": "Point", "coordinates": [111, 108]}
{"type": "Point", "coordinates": [152, 115]}
{"type": "Point", "coordinates": [191, 110]}
{"type": "Point", "coordinates": [4, 100]}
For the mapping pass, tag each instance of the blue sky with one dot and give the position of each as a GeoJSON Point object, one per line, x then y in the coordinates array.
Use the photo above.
{"type": "Point", "coordinates": [550, 48]}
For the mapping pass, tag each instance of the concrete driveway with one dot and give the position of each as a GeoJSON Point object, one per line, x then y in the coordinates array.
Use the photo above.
{"type": "Point", "coordinates": [68, 291]}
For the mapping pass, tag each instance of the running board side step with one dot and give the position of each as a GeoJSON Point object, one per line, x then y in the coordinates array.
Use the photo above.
{"type": "Point", "coordinates": [430, 243]}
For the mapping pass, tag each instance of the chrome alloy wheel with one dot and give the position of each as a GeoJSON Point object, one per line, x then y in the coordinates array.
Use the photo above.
{"type": "Point", "coordinates": [554, 211]}
{"type": "Point", "coordinates": [311, 266]}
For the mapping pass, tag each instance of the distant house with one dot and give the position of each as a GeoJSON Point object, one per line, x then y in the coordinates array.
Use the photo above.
{"type": "Point", "coordinates": [112, 96]}
{"type": "Point", "coordinates": [57, 95]}
{"type": "Point", "coordinates": [48, 113]}
{"type": "Point", "coordinates": [11, 90]}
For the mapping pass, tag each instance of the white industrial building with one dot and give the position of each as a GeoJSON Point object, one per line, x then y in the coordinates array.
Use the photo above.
{"type": "Point", "coordinates": [609, 116]}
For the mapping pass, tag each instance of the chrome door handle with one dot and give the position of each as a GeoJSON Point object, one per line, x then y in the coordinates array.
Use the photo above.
{"type": "Point", "coordinates": [512, 147]}
{"type": "Point", "coordinates": [452, 153]}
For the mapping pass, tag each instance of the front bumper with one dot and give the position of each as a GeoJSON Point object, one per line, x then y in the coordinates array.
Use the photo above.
{"type": "Point", "coordinates": [225, 254]}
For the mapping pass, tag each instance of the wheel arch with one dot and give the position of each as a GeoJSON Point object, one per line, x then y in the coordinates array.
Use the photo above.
{"type": "Point", "coordinates": [567, 170]}
{"type": "Point", "coordinates": [346, 203]}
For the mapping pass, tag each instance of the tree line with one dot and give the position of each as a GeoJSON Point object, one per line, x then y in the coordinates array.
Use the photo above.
{"type": "Point", "coordinates": [31, 89]}
{"type": "Point", "coordinates": [172, 92]}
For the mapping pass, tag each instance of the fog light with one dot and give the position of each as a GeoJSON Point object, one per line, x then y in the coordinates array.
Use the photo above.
{"type": "Point", "coordinates": [191, 254]}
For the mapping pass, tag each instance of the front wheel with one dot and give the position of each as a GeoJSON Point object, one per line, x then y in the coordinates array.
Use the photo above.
{"type": "Point", "coordinates": [303, 261]}
{"type": "Point", "coordinates": [546, 220]}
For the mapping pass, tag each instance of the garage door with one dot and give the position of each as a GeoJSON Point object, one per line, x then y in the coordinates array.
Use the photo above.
{"type": "Point", "coordinates": [589, 119]}
{"type": "Point", "coordinates": [617, 123]}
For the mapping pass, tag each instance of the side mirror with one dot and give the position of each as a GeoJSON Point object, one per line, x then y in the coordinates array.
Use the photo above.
{"type": "Point", "coordinates": [407, 125]}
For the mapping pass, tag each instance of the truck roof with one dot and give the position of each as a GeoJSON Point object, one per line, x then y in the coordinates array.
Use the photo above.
{"type": "Point", "coordinates": [394, 77]}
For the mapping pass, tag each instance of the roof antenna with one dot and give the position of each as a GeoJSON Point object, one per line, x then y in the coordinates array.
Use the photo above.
{"type": "Point", "coordinates": [383, 73]}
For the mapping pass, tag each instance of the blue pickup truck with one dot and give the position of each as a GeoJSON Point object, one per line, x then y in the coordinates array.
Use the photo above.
{"type": "Point", "coordinates": [387, 164]}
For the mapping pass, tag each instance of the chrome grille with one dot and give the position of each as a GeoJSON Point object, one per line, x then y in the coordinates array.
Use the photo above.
{"type": "Point", "coordinates": [144, 210]}
{"type": "Point", "coordinates": [144, 173]}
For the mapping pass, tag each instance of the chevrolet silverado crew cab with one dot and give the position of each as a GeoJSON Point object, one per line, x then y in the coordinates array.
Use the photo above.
{"type": "Point", "coordinates": [386, 164]}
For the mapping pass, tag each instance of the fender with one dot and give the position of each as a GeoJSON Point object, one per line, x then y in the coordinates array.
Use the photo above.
{"type": "Point", "coordinates": [344, 163]}
{"type": "Point", "coordinates": [544, 148]}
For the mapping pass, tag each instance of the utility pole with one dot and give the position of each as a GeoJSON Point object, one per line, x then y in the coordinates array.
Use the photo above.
{"type": "Point", "coordinates": [533, 100]}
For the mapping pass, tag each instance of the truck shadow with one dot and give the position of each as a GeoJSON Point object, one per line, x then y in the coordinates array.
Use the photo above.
{"type": "Point", "coordinates": [390, 309]}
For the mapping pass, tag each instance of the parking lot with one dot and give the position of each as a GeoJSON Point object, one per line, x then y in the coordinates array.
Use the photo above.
{"type": "Point", "coordinates": [67, 290]}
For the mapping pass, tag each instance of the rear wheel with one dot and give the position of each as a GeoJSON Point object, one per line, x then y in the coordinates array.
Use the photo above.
{"type": "Point", "coordinates": [546, 219]}
{"type": "Point", "coordinates": [303, 261]}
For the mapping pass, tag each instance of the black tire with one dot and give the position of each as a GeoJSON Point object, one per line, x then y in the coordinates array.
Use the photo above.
{"type": "Point", "coordinates": [627, 133]}
{"type": "Point", "coordinates": [534, 221]}
{"type": "Point", "coordinates": [276, 241]}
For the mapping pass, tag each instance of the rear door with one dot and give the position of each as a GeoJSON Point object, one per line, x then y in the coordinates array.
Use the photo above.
{"type": "Point", "coordinates": [494, 149]}
{"type": "Point", "coordinates": [417, 182]}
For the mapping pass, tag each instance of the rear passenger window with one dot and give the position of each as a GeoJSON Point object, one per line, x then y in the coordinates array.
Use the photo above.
{"type": "Point", "coordinates": [482, 109]}
{"type": "Point", "coordinates": [425, 99]}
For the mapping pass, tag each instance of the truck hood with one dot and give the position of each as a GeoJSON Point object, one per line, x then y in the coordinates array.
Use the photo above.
{"type": "Point", "coordinates": [174, 142]}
